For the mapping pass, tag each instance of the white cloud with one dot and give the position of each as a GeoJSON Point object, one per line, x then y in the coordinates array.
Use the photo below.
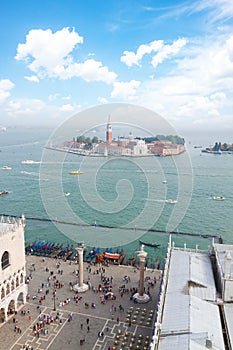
{"type": "Point", "coordinates": [163, 51]}
{"type": "Point", "coordinates": [49, 55]}
{"type": "Point", "coordinates": [168, 50]}
{"type": "Point", "coordinates": [90, 70]}
{"type": "Point", "coordinates": [24, 107]}
{"type": "Point", "coordinates": [53, 97]}
{"type": "Point", "coordinates": [35, 112]}
{"type": "Point", "coordinates": [102, 100]}
{"type": "Point", "coordinates": [5, 86]}
{"type": "Point", "coordinates": [199, 87]}
{"type": "Point", "coordinates": [67, 108]}
{"type": "Point", "coordinates": [125, 90]}
{"type": "Point", "coordinates": [32, 78]}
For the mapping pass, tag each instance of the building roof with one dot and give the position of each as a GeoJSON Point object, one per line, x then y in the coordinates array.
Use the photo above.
{"type": "Point", "coordinates": [221, 251]}
{"type": "Point", "coordinates": [8, 224]}
{"type": "Point", "coordinates": [188, 319]}
{"type": "Point", "coordinates": [228, 310]}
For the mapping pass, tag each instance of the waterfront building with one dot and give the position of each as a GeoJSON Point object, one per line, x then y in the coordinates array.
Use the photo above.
{"type": "Point", "coordinates": [129, 147]}
{"type": "Point", "coordinates": [13, 289]}
{"type": "Point", "coordinates": [165, 148]}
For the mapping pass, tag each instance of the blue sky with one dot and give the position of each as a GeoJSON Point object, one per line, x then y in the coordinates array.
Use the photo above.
{"type": "Point", "coordinates": [61, 57]}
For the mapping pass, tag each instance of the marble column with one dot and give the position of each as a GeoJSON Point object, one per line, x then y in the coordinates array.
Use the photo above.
{"type": "Point", "coordinates": [141, 297]}
{"type": "Point", "coordinates": [80, 287]}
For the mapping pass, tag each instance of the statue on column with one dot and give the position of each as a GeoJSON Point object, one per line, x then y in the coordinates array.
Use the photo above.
{"type": "Point", "coordinates": [80, 286]}
{"type": "Point", "coordinates": [141, 297]}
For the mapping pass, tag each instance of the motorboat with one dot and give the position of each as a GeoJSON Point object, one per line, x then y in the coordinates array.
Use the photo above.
{"type": "Point", "coordinates": [5, 167]}
{"type": "Point", "coordinates": [171, 201]}
{"type": "Point", "coordinates": [164, 181]}
{"type": "Point", "coordinates": [218, 198]}
{"type": "Point", "coordinates": [67, 194]}
{"type": "Point", "coordinates": [150, 244]}
{"type": "Point", "coordinates": [3, 193]}
{"type": "Point", "coordinates": [28, 161]}
{"type": "Point", "coordinates": [76, 172]}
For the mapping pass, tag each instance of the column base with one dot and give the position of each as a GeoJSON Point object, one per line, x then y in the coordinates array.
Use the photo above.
{"type": "Point", "coordinates": [79, 289]}
{"type": "Point", "coordinates": [141, 299]}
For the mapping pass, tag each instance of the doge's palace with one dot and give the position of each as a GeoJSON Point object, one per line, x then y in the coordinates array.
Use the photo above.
{"type": "Point", "coordinates": [13, 290]}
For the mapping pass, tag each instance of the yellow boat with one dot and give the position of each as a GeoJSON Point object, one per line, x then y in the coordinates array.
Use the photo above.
{"type": "Point", "coordinates": [76, 172]}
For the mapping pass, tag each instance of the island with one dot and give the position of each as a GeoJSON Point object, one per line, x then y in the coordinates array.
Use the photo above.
{"type": "Point", "coordinates": [219, 148]}
{"type": "Point", "coordinates": [130, 146]}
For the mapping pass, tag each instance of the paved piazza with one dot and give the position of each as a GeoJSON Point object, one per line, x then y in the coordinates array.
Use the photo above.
{"type": "Point", "coordinates": [76, 324]}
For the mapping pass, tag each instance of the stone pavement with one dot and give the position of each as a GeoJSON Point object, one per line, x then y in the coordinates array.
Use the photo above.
{"type": "Point", "coordinates": [127, 326]}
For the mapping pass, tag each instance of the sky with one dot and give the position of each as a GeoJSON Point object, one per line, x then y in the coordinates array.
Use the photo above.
{"type": "Point", "coordinates": [173, 57]}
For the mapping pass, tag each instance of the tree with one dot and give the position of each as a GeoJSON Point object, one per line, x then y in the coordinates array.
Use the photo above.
{"type": "Point", "coordinates": [95, 139]}
{"type": "Point", "coordinates": [225, 147]}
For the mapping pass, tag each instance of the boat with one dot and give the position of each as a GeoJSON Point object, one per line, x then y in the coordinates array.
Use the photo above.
{"type": "Point", "coordinates": [28, 161]}
{"type": "Point", "coordinates": [76, 172]}
{"type": "Point", "coordinates": [3, 193]}
{"type": "Point", "coordinates": [164, 181]}
{"type": "Point", "coordinates": [150, 244]}
{"type": "Point", "coordinates": [67, 194]}
{"type": "Point", "coordinates": [171, 201]}
{"type": "Point", "coordinates": [218, 198]}
{"type": "Point", "coordinates": [5, 167]}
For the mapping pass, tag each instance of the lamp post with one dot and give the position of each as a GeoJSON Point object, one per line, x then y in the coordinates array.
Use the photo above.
{"type": "Point", "coordinates": [54, 300]}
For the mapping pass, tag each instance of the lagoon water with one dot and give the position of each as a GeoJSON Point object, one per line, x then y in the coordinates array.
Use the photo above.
{"type": "Point", "coordinates": [126, 194]}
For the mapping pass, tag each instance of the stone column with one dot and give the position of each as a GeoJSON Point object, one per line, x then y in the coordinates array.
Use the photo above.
{"type": "Point", "coordinates": [141, 297]}
{"type": "Point", "coordinates": [80, 287]}
{"type": "Point", "coordinates": [142, 258]}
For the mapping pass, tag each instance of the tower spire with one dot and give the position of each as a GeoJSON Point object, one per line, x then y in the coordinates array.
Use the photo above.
{"type": "Point", "coordinates": [109, 131]}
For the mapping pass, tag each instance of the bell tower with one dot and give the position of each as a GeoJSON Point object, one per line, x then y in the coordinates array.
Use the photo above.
{"type": "Point", "coordinates": [109, 132]}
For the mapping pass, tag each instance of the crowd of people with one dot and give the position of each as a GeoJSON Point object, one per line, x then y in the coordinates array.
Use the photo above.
{"type": "Point", "coordinates": [101, 283]}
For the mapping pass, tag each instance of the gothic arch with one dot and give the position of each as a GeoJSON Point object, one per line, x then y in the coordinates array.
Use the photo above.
{"type": "Point", "coordinates": [5, 260]}
{"type": "Point", "coordinates": [12, 284]}
{"type": "Point", "coordinates": [8, 288]}
{"type": "Point", "coordinates": [2, 315]}
{"type": "Point", "coordinates": [17, 281]}
{"type": "Point", "coordinates": [11, 307]}
{"type": "Point", "coordinates": [20, 299]}
{"type": "Point", "coordinates": [3, 293]}
{"type": "Point", "coordinates": [21, 278]}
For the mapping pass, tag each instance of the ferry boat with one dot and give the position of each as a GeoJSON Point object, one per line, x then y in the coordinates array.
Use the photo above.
{"type": "Point", "coordinates": [3, 193]}
{"type": "Point", "coordinates": [76, 172]}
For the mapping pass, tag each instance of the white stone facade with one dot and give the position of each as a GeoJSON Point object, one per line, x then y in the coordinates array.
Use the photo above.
{"type": "Point", "coordinates": [13, 289]}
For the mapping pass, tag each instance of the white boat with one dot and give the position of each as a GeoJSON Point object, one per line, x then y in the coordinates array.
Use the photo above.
{"type": "Point", "coordinates": [67, 194]}
{"type": "Point", "coordinates": [164, 181]}
{"type": "Point", "coordinates": [171, 201]}
{"type": "Point", "coordinates": [5, 167]}
{"type": "Point", "coordinates": [218, 198]}
{"type": "Point", "coordinates": [28, 161]}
